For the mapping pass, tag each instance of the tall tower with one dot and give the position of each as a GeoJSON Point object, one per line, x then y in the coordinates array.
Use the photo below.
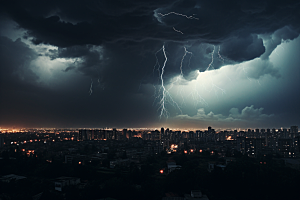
{"type": "Point", "coordinates": [294, 131]}
{"type": "Point", "coordinates": [162, 133]}
{"type": "Point", "coordinates": [124, 133]}
{"type": "Point", "coordinates": [80, 135]}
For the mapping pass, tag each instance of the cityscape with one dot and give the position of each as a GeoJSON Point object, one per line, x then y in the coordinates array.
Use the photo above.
{"type": "Point", "coordinates": [146, 164]}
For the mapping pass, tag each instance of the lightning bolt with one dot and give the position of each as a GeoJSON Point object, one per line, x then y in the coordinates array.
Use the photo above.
{"type": "Point", "coordinates": [162, 101]}
{"type": "Point", "coordinates": [157, 62]}
{"type": "Point", "coordinates": [211, 65]}
{"type": "Point", "coordinates": [220, 54]}
{"type": "Point", "coordinates": [91, 87]}
{"type": "Point", "coordinates": [188, 17]}
{"type": "Point", "coordinates": [180, 77]}
{"type": "Point", "coordinates": [185, 52]}
{"type": "Point", "coordinates": [181, 64]}
{"type": "Point", "coordinates": [177, 30]}
{"type": "Point", "coordinates": [165, 96]}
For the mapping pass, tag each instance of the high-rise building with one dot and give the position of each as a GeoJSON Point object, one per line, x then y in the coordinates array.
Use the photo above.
{"type": "Point", "coordinates": [162, 133]}
{"type": "Point", "coordinates": [1, 141]}
{"type": "Point", "coordinates": [82, 135]}
{"type": "Point", "coordinates": [88, 134]}
{"type": "Point", "coordinates": [124, 133]}
{"type": "Point", "coordinates": [294, 131]}
{"type": "Point", "coordinates": [114, 136]}
{"type": "Point", "coordinates": [209, 129]}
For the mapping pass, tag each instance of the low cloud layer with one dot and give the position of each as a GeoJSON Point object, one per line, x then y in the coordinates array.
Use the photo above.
{"type": "Point", "coordinates": [248, 114]}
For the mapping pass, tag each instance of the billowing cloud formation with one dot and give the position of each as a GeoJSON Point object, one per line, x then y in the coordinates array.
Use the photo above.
{"type": "Point", "coordinates": [247, 118]}
{"type": "Point", "coordinates": [257, 68]}
{"type": "Point", "coordinates": [139, 28]}
{"type": "Point", "coordinates": [249, 113]}
{"type": "Point", "coordinates": [272, 41]}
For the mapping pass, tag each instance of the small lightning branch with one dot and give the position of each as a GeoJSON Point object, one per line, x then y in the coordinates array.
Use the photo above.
{"type": "Point", "coordinates": [211, 65]}
{"type": "Point", "coordinates": [188, 17]}
{"type": "Point", "coordinates": [181, 64]}
{"type": "Point", "coordinates": [220, 55]}
{"type": "Point", "coordinates": [157, 62]}
{"type": "Point", "coordinates": [185, 52]}
{"type": "Point", "coordinates": [181, 72]}
{"type": "Point", "coordinates": [177, 30]}
{"type": "Point", "coordinates": [91, 87]}
{"type": "Point", "coordinates": [212, 59]}
{"type": "Point", "coordinates": [221, 58]}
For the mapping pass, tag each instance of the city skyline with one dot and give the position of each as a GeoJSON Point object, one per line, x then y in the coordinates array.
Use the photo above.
{"type": "Point", "coordinates": [177, 64]}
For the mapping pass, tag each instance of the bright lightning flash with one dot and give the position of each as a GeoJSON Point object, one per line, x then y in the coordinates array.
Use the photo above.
{"type": "Point", "coordinates": [163, 93]}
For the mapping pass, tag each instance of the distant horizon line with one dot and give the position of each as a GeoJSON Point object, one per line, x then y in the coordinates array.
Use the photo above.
{"type": "Point", "coordinates": [148, 128]}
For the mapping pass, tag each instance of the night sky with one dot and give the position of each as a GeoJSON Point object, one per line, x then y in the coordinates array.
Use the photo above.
{"type": "Point", "coordinates": [170, 63]}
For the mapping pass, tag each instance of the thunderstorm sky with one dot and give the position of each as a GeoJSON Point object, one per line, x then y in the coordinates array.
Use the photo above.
{"type": "Point", "coordinates": [171, 63]}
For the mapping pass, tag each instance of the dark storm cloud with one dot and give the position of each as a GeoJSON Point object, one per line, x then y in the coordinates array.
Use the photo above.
{"type": "Point", "coordinates": [275, 39]}
{"type": "Point", "coordinates": [138, 28]}
{"type": "Point", "coordinates": [114, 20]}
{"type": "Point", "coordinates": [242, 49]}
{"type": "Point", "coordinates": [88, 58]}
{"type": "Point", "coordinates": [15, 62]}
